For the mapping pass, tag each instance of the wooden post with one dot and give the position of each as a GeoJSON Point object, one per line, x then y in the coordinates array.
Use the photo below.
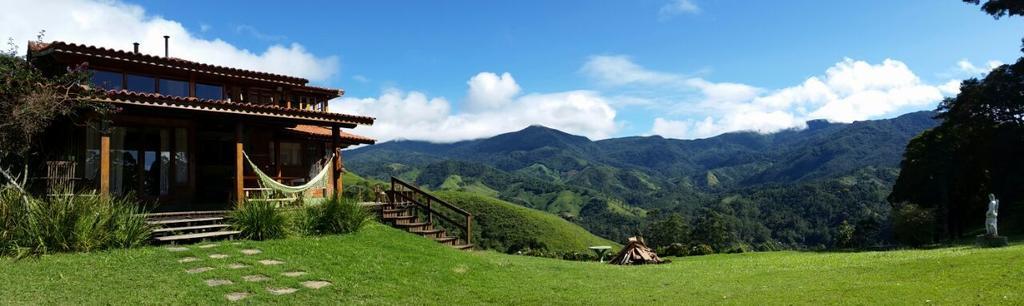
{"type": "Point", "coordinates": [104, 160]}
{"type": "Point", "coordinates": [469, 229]}
{"type": "Point", "coordinates": [277, 155]}
{"type": "Point", "coordinates": [430, 212]}
{"type": "Point", "coordinates": [335, 175]}
{"type": "Point", "coordinates": [239, 166]}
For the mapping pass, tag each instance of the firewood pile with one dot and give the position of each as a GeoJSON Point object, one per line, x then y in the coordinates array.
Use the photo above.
{"type": "Point", "coordinates": [636, 253]}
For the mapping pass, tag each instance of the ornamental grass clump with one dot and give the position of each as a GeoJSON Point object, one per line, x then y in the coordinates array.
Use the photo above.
{"type": "Point", "coordinates": [68, 223]}
{"type": "Point", "coordinates": [337, 216]}
{"type": "Point", "coordinates": [260, 220]}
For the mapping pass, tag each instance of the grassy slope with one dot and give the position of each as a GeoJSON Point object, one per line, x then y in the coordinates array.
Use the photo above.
{"type": "Point", "coordinates": [381, 265]}
{"type": "Point", "coordinates": [501, 224]}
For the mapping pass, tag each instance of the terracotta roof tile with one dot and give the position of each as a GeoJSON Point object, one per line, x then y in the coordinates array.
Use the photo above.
{"type": "Point", "coordinates": [320, 131]}
{"type": "Point", "coordinates": [155, 99]}
{"type": "Point", "coordinates": [95, 51]}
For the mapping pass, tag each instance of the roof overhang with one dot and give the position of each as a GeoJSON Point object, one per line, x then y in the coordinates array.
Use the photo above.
{"type": "Point", "coordinates": [297, 116]}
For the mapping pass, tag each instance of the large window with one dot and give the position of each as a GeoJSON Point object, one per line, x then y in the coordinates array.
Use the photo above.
{"type": "Point", "coordinates": [172, 87]}
{"type": "Point", "coordinates": [140, 83]}
{"type": "Point", "coordinates": [208, 91]}
{"type": "Point", "coordinates": [107, 79]}
{"type": "Point", "coordinates": [291, 154]}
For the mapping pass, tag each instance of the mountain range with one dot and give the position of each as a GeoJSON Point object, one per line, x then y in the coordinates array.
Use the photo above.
{"type": "Point", "coordinates": [624, 179]}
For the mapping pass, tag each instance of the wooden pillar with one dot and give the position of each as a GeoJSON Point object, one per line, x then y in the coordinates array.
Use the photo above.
{"type": "Point", "coordinates": [104, 158]}
{"type": "Point", "coordinates": [239, 166]}
{"type": "Point", "coordinates": [277, 155]}
{"type": "Point", "coordinates": [335, 167]}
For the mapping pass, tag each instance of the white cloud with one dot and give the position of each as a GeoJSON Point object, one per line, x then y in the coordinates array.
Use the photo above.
{"type": "Point", "coordinates": [670, 128]}
{"type": "Point", "coordinates": [116, 25]}
{"type": "Point", "coordinates": [848, 91]}
{"type": "Point", "coordinates": [412, 115]}
{"type": "Point", "coordinates": [965, 66]}
{"type": "Point", "coordinates": [617, 70]}
{"type": "Point", "coordinates": [676, 7]}
{"type": "Point", "coordinates": [490, 91]}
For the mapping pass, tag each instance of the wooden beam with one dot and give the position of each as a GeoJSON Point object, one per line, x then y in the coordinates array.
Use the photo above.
{"type": "Point", "coordinates": [105, 164]}
{"type": "Point", "coordinates": [239, 166]}
{"type": "Point", "coordinates": [277, 154]}
{"type": "Point", "coordinates": [335, 167]}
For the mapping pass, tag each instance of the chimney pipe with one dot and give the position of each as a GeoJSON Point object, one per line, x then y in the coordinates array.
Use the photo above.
{"type": "Point", "coordinates": [166, 52]}
{"type": "Point", "coordinates": [136, 47]}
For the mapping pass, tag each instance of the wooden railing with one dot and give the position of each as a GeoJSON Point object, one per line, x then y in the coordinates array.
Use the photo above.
{"type": "Point", "coordinates": [456, 221]}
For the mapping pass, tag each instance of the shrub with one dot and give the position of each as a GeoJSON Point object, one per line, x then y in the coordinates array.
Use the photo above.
{"type": "Point", "coordinates": [770, 246]}
{"type": "Point", "coordinates": [913, 225]}
{"type": "Point", "coordinates": [699, 249]}
{"type": "Point", "coordinates": [83, 222]}
{"type": "Point", "coordinates": [336, 216]}
{"type": "Point", "coordinates": [259, 220]}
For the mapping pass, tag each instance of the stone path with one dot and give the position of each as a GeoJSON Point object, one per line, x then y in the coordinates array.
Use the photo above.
{"type": "Point", "coordinates": [238, 265]}
{"type": "Point", "coordinates": [280, 291]}
{"type": "Point", "coordinates": [252, 278]}
{"type": "Point", "coordinates": [316, 284]}
{"type": "Point", "coordinates": [198, 270]}
{"type": "Point", "coordinates": [218, 282]}
{"type": "Point", "coordinates": [294, 273]}
{"type": "Point", "coordinates": [255, 278]}
{"type": "Point", "coordinates": [271, 262]}
{"type": "Point", "coordinates": [235, 296]}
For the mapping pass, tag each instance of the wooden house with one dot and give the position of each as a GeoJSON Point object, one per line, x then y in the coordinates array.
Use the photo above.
{"type": "Point", "coordinates": [178, 136]}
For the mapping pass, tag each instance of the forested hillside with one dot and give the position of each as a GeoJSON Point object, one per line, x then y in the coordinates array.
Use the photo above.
{"type": "Point", "coordinates": [794, 188]}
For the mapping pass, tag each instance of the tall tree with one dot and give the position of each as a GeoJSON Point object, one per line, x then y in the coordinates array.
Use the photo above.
{"type": "Point", "coordinates": [1000, 8]}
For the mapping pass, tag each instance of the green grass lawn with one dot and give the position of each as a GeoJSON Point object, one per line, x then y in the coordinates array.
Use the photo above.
{"type": "Point", "coordinates": [380, 265]}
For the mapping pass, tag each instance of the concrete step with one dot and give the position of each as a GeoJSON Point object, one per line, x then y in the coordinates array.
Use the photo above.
{"type": "Point", "coordinates": [189, 228]}
{"type": "Point", "coordinates": [186, 237]}
{"type": "Point", "coordinates": [185, 220]}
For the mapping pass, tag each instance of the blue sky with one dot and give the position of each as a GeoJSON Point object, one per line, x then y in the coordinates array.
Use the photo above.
{"type": "Point", "coordinates": [436, 70]}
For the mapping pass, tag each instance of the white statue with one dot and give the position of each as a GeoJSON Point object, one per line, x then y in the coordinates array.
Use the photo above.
{"type": "Point", "coordinates": [990, 216]}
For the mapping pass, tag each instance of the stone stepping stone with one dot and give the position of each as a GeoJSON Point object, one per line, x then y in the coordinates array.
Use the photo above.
{"type": "Point", "coordinates": [251, 251]}
{"type": "Point", "coordinates": [294, 273]}
{"type": "Point", "coordinates": [207, 246]}
{"type": "Point", "coordinates": [280, 291]}
{"type": "Point", "coordinates": [316, 284]}
{"type": "Point", "coordinates": [218, 282]}
{"type": "Point", "coordinates": [198, 270]}
{"type": "Point", "coordinates": [271, 262]}
{"type": "Point", "coordinates": [235, 296]}
{"type": "Point", "coordinates": [177, 249]}
{"type": "Point", "coordinates": [236, 243]}
{"type": "Point", "coordinates": [237, 266]}
{"type": "Point", "coordinates": [218, 256]}
{"type": "Point", "coordinates": [255, 278]}
{"type": "Point", "coordinates": [187, 259]}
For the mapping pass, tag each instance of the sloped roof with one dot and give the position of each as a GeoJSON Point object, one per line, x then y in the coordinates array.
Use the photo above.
{"type": "Point", "coordinates": [319, 131]}
{"type": "Point", "coordinates": [176, 63]}
{"type": "Point", "coordinates": [224, 106]}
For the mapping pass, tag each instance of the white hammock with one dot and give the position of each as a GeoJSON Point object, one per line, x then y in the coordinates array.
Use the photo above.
{"type": "Point", "coordinates": [269, 182]}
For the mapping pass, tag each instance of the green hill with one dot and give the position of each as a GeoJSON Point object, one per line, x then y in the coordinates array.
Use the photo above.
{"type": "Point", "coordinates": [384, 266]}
{"type": "Point", "coordinates": [506, 227]}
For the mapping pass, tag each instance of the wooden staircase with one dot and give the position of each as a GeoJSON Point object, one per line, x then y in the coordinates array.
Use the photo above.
{"type": "Point", "coordinates": [413, 210]}
{"type": "Point", "coordinates": [190, 226]}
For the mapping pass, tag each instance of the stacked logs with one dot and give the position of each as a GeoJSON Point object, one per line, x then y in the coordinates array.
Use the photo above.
{"type": "Point", "coordinates": [636, 253]}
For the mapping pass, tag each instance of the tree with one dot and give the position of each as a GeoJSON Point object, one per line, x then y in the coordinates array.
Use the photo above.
{"type": "Point", "coordinates": [712, 228]}
{"type": "Point", "coordinates": [665, 232]}
{"type": "Point", "coordinates": [31, 101]}
{"type": "Point", "coordinates": [1000, 8]}
{"type": "Point", "coordinates": [975, 151]}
